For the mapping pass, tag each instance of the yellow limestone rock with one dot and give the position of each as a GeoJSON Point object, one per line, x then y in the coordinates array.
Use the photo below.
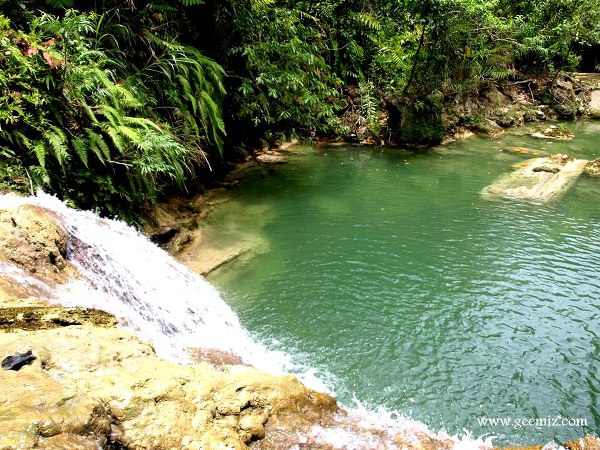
{"type": "Point", "coordinates": [592, 168]}
{"type": "Point", "coordinates": [541, 179]}
{"type": "Point", "coordinates": [103, 381]}
{"type": "Point", "coordinates": [32, 239]}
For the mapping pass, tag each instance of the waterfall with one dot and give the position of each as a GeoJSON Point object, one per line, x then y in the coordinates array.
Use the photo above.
{"type": "Point", "coordinates": [164, 302]}
{"type": "Point", "coordinates": [153, 295]}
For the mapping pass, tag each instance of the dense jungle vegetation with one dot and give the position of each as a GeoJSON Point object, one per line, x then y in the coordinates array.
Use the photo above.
{"type": "Point", "coordinates": [112, 103]}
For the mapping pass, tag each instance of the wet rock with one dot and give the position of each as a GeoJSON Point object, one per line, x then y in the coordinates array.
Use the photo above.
{"type": "Point", "coordinates": [46, 317]}
{"type": "Point", "coordinates": [181, 242]}
{"type": "Point", "coordinates": [585, 443]}
{"type": "Point", "coordinates": [103, 382]}
{"type": "Point", "coordinates": [271, 158]}
{"type": "Point", "coordinates": [214, 357]}
{"type": "Point", "coordinates": [593, 168]}
{"type": "Point", "coordinates": [164, 235]}
{"type": "Point", "coordinates": [539, 179]}
{"type": "Point", "coordinates": [422, 441]}
{"type": "Point", "coordinates": [32, 239]}
{"type": "Point", "coordinates": [15, 291]}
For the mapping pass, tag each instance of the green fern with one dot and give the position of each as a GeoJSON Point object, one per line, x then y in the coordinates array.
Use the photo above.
{"type": "Point", "coordinates": [367, 21]}
{"type": "Point", "coordinates": [80, 145]}
{"type": "Point", "coordinates": [98, 145]}
{"type": "Point", "coordinates": [40, 149]}
{"type": "Point", "coordinates": [56, 139]}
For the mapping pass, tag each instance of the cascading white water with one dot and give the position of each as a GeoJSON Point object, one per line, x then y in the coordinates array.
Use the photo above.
{"type": "Point", "coordinates": [162, 301]}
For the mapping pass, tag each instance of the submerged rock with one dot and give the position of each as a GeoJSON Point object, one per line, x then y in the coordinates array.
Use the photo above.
{"type": "Point", "coordinates": [539, 179]}
{"type": "Point", "coordinates": [525, 151]}
{"type": "Point", "coordinates": [271, 157]}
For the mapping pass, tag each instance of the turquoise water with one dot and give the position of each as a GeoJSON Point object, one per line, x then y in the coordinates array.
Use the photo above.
{"type": "Point", "coordinates": [389, 275]}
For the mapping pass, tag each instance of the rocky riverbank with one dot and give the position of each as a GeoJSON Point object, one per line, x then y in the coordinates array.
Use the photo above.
{"type": "Point", "coordinates": [507, 104]}
{"type": "Point", "coordinates": [93, 385]}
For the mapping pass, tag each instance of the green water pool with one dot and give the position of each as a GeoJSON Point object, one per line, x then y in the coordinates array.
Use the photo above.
{"type": "Point", "coordinates": [388, 275]}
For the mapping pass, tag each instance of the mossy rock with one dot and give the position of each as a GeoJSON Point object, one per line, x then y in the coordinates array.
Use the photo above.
{"type": "Point", "coordinates": [43, 318]}
{"type": "Point", "coordinates": [422, 129]}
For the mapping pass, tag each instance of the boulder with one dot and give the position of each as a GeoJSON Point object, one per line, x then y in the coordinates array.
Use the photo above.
{"type": "Point", "coordinates": [592, 168]}
{"type": "Point", "coordinates": [32, 239]}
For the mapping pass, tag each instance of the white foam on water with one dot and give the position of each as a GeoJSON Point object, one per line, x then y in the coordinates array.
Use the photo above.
{"type": "Point", "coordinates": [36, 288]}
{"type": "Point", "coordinates": [363, 427]}
{"type": "Point", "coordinates": [161, 300]}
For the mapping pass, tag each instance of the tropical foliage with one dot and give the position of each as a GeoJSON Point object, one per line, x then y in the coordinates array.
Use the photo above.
{"type": "Point", "coordinates": [78, 119]}
{"type": "Point", "coordinates": [118, 102]}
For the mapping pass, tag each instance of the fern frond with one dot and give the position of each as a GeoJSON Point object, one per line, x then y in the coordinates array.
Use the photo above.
{"type": "Point", "coordinates": [80, 145]}
{"type": "Point", "coordinates": [367, 21]}
{"type": "Point", "coordinates": [98, 146]}
{"type": "Point", "coordinates": [116, 138]}
{"type": "Point", "coordinates": [130, 133]}
{"type": "Point", "coordinates": [40, 150]}
{"type": "Point", "coordinates": [58, 142]}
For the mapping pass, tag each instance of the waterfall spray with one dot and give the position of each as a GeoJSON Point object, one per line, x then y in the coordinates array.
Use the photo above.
{"type": "Point", "coordinates": [159, 299]}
